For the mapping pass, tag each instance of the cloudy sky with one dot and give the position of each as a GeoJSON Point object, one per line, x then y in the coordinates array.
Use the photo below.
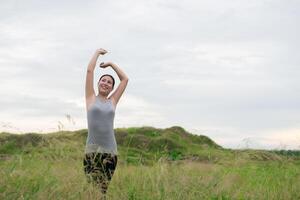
{"type": "Point", "coordinates": [226, 69]}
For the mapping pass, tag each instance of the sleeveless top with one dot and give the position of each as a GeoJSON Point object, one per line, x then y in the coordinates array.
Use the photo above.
{"type": "Point", "coordinates": [101, 137]}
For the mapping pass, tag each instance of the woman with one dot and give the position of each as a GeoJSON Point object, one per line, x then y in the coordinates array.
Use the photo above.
{"type": "Point", "coordinates": [100, 158]}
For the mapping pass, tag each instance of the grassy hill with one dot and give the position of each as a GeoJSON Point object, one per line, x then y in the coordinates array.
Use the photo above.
{"type": "Point", "coordinates": [136, 145]}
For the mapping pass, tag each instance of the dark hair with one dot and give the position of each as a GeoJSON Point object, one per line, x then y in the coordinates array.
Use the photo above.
{"type": "Point", "coordinates": [110, 77]}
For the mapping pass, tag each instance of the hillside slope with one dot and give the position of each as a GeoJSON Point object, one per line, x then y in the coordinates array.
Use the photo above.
{"type": "Point", "coordinates": [135, 145]}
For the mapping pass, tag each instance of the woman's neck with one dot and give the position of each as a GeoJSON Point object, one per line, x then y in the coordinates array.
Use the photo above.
{"type": "Point", "coordinates": [102, 97]}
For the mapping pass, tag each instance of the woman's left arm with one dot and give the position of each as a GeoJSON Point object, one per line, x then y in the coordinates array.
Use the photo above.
{"type": "Point", "coordinates": [121, 87]}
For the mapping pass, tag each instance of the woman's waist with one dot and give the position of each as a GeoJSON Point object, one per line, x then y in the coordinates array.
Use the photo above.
{"type": "Point", "coordinates": [112, 149]}
{"type": "Point", "coordinates": [101, 136]}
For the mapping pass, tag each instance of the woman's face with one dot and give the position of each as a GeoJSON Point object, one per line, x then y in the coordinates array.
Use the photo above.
{"type": "Point", "coordinates": [105, 85]}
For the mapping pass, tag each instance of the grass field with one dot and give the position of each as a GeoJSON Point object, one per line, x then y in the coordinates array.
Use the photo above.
{"type": "Point", "coordinates": [51, 168]}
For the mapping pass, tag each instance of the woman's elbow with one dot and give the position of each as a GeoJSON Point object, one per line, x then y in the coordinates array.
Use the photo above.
{"type": "Point", "coordinates": [125, 79]}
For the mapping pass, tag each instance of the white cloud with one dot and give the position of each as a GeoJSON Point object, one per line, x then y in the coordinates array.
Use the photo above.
{"type": "Point", "coordinates": [229, 66]}
{"type": "Point", "coordinates": [136, 111]}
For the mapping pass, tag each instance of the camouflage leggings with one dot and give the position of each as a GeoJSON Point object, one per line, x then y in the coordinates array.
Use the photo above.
{"type": "Point", "coordinates": [99, 168]}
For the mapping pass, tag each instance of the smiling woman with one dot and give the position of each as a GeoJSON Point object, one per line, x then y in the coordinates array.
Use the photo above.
{"type": "Point", "coordinates": [106, 82]}
{"type": "Point", "coordinates": [101, 153]}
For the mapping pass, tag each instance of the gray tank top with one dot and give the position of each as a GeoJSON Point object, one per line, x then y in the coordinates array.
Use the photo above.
{"type": "Point", "coordinates": [100, 118]}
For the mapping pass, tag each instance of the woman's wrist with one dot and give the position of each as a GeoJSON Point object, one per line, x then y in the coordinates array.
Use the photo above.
{"type": "Point", "coordinates": [113, 65]}
{"type": "Point", "coordinates": [97, 54]}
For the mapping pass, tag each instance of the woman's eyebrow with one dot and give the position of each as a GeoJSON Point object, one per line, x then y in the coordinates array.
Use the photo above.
{"type": "Point", "coordinates": [107, 81]}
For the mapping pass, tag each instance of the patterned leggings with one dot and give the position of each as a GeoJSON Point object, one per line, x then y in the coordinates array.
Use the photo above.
{"type": "Point", "coordinates": [99, 168]}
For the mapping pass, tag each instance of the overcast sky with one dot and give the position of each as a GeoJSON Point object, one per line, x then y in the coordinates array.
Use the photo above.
{"type": "Point", "coordinates": [226, 69]}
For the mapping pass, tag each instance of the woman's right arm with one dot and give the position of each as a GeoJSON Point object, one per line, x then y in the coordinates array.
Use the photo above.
{"type": "Point", "coordinates": [89, 84]}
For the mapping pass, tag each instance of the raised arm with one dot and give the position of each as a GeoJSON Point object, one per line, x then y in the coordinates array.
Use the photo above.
{"type": "Point", "coordinates": [121, 87]}
{"type": "Point", "coordinates": [89, 84]}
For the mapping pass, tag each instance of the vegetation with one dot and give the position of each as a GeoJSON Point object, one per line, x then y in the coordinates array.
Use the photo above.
{"type": "Point", "coordinates": [153, 164]}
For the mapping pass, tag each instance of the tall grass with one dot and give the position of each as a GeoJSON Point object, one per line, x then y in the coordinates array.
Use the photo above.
{"type": "Point", "coordinates": [35, 176]}
{"type": "Point", "coordinates": [50, 166]}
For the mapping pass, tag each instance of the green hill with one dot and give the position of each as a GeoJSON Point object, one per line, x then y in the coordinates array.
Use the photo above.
{"type": "Point", "coordinates": [135, 145]}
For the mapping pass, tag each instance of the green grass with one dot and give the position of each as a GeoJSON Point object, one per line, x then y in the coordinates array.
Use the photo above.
{"type": "Point", "coordinates": [37, 177]}
{"type": "Point", "coordinates": [153, 164]}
